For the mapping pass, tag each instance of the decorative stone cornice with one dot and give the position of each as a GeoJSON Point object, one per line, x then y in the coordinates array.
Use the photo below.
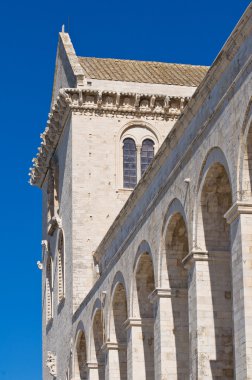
{"type": "Point", "coordinates": [237, 209]}
{"type": "Point", "coordinates": [92, 102]}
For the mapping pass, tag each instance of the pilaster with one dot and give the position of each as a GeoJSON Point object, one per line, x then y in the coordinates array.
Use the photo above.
{"type": "Point", "coordinates": [239, 216]}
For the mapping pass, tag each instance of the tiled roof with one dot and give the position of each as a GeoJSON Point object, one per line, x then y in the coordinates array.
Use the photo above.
{"type": "Point", "coordinates": [143, 71]}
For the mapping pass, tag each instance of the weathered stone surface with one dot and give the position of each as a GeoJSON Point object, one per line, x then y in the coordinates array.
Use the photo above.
{"type": "Point", "coordinates": [154, 283]}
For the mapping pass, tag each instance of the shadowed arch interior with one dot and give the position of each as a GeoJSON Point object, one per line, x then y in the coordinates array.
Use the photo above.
{"type": "Point", "coordinates": [81, 358]}
{"type": "Point", "coordinates": [216, 199]}
{"type": "Point", "coordinates": [118, 331]}
{"type": "Point", "coordinates": [247, 167]}
{"type": "Point", "coordinates": [176, 244]}
{"type": "Point", "coordinates": [98, 335]}
{"type": "Point", "coordinates": [145, 285]}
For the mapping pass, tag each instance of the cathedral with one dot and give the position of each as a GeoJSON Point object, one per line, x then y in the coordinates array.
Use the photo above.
{"type": "Point", "coordinates": [146, 177]}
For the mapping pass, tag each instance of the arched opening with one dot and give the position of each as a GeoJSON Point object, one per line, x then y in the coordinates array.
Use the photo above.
{"type": "Point", "coordinates": [80, 365]}
{"type": "Point", "coordinates": [61, 269]}
{"type": "Point", "coordinates": [118, 331]}
{"type": "Point", "coordinates": [147, 154]}
{"type": "Point", "coordinates": [144, 310]}
{"type": "Point", "coordinates": [49, 289]}
{"type": "Point", "coordinates": [176, 247]}
{"type": "Point", "coordinates": [216, 199]}
{"type": "Point", "coordinates": [247, 168]}
{"type": "Point", "coordinates": [129, 163]}
{"type": "Point", "coordinates": [98, 354]}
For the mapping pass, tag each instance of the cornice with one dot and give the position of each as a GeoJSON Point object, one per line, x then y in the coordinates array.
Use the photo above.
{"type": "Point", "coordinates": [102, 104]}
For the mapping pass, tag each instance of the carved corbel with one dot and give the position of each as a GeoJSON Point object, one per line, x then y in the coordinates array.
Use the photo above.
{"type": "Point", "coordinates": [99, 99]}
{"type": "Point", "coordinates": [40, 265]}
{"type": "Point", "coordinates": [167, 103]}
{"type": "Point", "coordinates": [182, 104]}
{"type": "Point", "coordinates": [137, 100]}
{"type": "Point", "coordinates": [152, 102]}
{"type": "Point", "coordinates": [117, 100]}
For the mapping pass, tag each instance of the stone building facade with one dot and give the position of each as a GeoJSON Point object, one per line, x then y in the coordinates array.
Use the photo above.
{"type": "Point", "coordinates": [146, 263]}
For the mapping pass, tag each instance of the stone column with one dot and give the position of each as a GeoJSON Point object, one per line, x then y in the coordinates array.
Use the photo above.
{"type": "Point", "coordinates": [92, 370]}
{"type": "Point", "coordinates": [210, 314]}
{"type": "Point", "coordinates": [201, 322]}
{"type": "Point", "coordinates": [164, 335]}
{"type": "Point", "coordinates": [239, 216]}
{"type": "Point", "coordinates": [116, 362]}
{"type": "Point", "coordinates": [138, 363]}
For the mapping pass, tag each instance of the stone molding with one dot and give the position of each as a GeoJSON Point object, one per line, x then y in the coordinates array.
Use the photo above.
{"type": "Point", "coordinates": [107, 346]}
{"type": "Point", "coordinates": [99, 103]}
{"type": "Point", "coordinates": [198, 255]}
{"type": "Point", "coordinates": [91, 365]}
{"type": "Point", "coordinates": [237, 209]}
{"type": "Point", "coordinates": [193, 256]}
{"type": "Point", "coordinates": [137, 322]}
{"type": "Point", "coordinates": [167, 293]}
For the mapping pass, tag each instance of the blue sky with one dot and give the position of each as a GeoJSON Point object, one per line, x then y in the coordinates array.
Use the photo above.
{"type": "Point", "coordinates": [171, 31]}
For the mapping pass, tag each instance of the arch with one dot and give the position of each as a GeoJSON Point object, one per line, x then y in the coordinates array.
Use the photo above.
{"type": "Point", "coordinates": [129, 163]}
{"type": "Point", "coordinates": [61, 266]}
{"type": "Point", "coordinates": [214, 199]}
{"type": "Point", "coordinates": [143, 309]}
{"type": "Point", "coordinates": [142, 124]}
{"type": "Point", "coordinates": [49, 288]}
{"type": "Point", "coordinates": [175, 281]}
{"type": "Point", "coordinates": [245, 157]}
{"type": "Point", "coordinates": [118, 333]}
{"type": "Point", "coordinates": [80, 354]}
{"type": "Point", "coordinates": [138, 131]}
{"type": "Point", "coordinates": [97, 354]}
{"type": "Point", "coordinates": [147, 154]}
{"type": "Point", "coordinates": [214, 157]}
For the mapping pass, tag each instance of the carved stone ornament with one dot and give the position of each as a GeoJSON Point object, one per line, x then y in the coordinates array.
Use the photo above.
{"type": "Point", "coordinates": [51, 363]}
{"type": "Point", "coordinates": [54, 223]}
{"type": "Point", "coordinates": [39, 265]}
{"type": "Point", "coordinates": [98, 103]}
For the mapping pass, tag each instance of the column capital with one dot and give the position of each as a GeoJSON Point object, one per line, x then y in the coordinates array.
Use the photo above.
{"type": "Point", "coordinates": [92, 365]}
{"type": "Point", "coordinates": [107, 346]}
{"type": "Point", "coordinates": [138, 322]}
{"type": "Point", "coordinates": [167, 293]}
{"type": "Point", "coordinates": [238, 208]}
{"type": "Point", "coordinates": [196, 254]}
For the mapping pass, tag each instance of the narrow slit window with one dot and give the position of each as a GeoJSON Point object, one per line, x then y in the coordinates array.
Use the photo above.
{"type": "Point", "coordinates": [147, 154]}
{"type": "Point", "coordinates": [129, 163]}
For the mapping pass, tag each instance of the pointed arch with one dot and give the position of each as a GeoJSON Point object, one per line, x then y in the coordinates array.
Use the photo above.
{"type": "Point", "coordinates": [143, 309]}
{"type": "Point", "coordinates": [80, 355]}
{"type": "Point", "coordinates": [118, 333]}
{"type": "Point", "coordinates": [97, 354]}
{"type": "Point", "coordinates": [213, 236]}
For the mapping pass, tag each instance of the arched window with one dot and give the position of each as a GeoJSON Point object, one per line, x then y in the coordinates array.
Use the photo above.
{"type": "Point", "coordinates": [61, 268]}
{"type": "Point", "coordinates": [49, 289]}
{"type": "Point", "coordinates": [129, 163]}
{"type": "Point", "coordinates": [147, 154]}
